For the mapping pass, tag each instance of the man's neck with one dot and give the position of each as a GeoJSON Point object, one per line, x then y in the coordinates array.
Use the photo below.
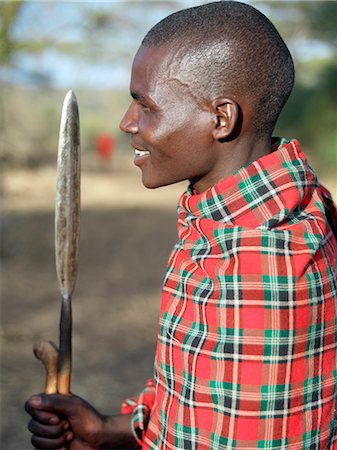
{"type": "Point", "coordinates": [233, 156]}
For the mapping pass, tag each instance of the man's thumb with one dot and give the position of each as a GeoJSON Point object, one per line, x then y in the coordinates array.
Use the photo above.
{"type": "Point", "coordinates": [55, 403]}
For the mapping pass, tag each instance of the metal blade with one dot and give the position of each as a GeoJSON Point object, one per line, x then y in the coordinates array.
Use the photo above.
{"type": "Point", "coordinates": [67, 207]}
{"type": "Point", "coordinates": [67, 227]}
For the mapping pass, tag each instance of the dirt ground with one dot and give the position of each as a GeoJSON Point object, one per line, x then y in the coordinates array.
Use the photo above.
{"type": "Point", "coordinates": [127, 233]}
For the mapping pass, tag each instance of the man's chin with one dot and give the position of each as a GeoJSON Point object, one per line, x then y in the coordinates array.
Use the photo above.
{"type": "Point", "coordinates": [155, 184]}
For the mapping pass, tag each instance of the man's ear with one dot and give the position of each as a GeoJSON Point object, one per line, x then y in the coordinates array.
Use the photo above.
{"type": "Point", "coordinates": [226, 115]}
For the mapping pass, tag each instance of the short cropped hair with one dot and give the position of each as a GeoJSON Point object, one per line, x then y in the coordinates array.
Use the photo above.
{"type": "Point", "coordinates": [229, 46]}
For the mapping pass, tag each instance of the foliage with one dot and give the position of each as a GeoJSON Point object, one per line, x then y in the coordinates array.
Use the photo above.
{"type": "Point", "coordinates": [312, 19]}
{"type": "Point", "coordinates": [8, 14]}
{"type": "Point", "coordinates": [312, 109]}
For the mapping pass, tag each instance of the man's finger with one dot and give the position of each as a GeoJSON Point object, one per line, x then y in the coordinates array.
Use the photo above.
{"type": "Point", "coordinates": [43, 417]}
{"type": "Point", "coordinates": [48, 431]}
{"type": "Point", "coordinates": [44, 443]}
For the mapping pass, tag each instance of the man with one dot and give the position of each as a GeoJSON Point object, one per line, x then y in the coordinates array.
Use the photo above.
{"type": "Point", "coordinates": [246, 354]}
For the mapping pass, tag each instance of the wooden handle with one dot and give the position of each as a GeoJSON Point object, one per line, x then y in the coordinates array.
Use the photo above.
{"type": "Point", "coordinates": [47, 353]}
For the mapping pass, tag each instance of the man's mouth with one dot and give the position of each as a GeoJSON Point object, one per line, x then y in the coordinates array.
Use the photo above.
{"type": "Point", "coordinates": [139, 153]}
{"type": "Point", "coordinates": [141, 156]}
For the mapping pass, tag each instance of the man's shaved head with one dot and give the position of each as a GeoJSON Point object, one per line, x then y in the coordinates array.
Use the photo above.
{"type": "Point", "coordinates": [229, 48]}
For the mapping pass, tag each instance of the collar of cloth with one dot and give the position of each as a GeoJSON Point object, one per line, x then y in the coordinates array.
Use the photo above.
{"type": "Point", "coordinates": [264, 195]}
{"type": "Point", "coordinates": [278, 194]}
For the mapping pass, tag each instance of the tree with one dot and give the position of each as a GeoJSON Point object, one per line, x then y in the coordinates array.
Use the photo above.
{"type": "Point", "coordinates": [9, 12]}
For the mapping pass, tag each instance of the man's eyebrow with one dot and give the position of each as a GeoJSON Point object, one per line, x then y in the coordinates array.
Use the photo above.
{"type": "Point", "coordinates": [141, 98]}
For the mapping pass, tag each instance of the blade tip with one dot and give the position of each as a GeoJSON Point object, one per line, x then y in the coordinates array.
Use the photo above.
{"type": "Point", "coordinates": [71, 95]}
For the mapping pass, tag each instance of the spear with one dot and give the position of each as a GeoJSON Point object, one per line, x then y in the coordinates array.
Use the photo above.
{"type": "Point", "coordinates": [67, 224]}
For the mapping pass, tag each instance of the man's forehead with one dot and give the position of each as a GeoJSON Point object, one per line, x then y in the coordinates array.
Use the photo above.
{"type": "Point", "coordinates": [154, 61]}
{"type": "Point", "coordinates": [158, 68]}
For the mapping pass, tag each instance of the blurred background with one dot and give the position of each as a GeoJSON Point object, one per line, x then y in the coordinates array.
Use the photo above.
{"type": "Point", "coordinates": [47, 48]}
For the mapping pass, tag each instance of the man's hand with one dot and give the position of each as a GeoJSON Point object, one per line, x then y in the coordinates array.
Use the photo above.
{"type": "Point", "coordinates": [68, 421]}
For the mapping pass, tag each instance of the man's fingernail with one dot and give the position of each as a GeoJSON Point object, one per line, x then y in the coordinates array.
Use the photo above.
{"type": "Point", "coordinates": [66, 426]}
{"type": "Point", "coordinates": [69, 436]}
{"type": "Point", "coordinates": [35, 401]}
{"type": "Point", "coordinates": [54, 420]}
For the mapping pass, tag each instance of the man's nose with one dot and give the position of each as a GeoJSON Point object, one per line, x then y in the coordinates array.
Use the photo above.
{"type": "Point", "coordinates": [128, 123]}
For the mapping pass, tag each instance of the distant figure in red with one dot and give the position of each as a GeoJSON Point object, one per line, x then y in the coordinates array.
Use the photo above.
{"type": "Point", "coordinates": [105, 147]}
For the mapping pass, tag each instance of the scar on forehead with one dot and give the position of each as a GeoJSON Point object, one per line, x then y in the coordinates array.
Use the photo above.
{"type": "Point", "coordinates": [184, 85]}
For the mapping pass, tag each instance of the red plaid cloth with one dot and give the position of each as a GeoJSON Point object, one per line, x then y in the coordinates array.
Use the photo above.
{"type": "Point", "coordinates": [246, 355]}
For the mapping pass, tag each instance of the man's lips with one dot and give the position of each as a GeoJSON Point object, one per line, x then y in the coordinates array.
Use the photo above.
{"type": "Point", "coordinates": [141, 152]}
{"type": "Point", "coordinates": [141, 155]}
